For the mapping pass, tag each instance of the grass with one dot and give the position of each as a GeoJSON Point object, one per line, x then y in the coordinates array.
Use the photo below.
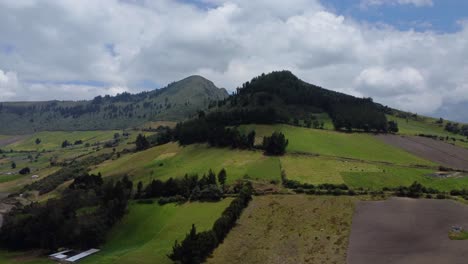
{"type": "Point", "coordinates": [289, 229]}
{"type": "Point", "coordinates": [170, 160]}
{"type": "Point", "coordinates": [395, 176]}
{"type": "Point", "coordinates": [316, 170]}
{"type": "Point", "coordinates": [23, 258]}
{"type": "Point", "coordinates": [422, 126]}
{"type": "Point", "coordinates": [54, 139]}
{"type": "Point", "coordinates": [356, 145]}
{"type": "Point", "coordinates": [462, 235]}
{"type": "Point", "coordinates": [147, 233]}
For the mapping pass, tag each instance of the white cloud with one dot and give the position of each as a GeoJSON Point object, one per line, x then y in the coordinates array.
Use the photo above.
{"type": "Point", "coordinates": [8, 85]}
{"type": "Point", "coordinates": [418, 3]}
{"type": "Point", "coordinates": [57, 42]}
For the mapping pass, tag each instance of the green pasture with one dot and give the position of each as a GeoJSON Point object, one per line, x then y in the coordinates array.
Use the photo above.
{"type": "Point", "coordinates": [148, 232]}
{"type": "Point", "coordinates": [330, 143]}
{"type": "Point", "coordinates": [171, 160]}
{"type": "Point", "coordinates": [54, 139]}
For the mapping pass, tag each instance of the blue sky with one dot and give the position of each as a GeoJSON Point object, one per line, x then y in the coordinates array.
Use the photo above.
{"type": "Point", "coordinates": [442, 16]}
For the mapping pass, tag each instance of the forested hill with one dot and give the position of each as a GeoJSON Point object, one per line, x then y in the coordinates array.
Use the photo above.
{"type": "Point", "coordinates": [176, 102]}
{"type": "Point", "coordinates": [284, 97]}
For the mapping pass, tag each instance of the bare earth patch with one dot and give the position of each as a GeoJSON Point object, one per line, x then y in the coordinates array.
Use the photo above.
{"type": "Point", "coordinates": [10, 140]}
{"type": "Point", "coordinates": [407, 231]}
{"type": "Point", "coordinates": [289, 229]}
{"type": "Point", "coordinates": [434, 150]}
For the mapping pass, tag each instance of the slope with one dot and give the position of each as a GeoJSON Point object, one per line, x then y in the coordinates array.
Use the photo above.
{"type": "Point", "coordinates": [178, 101]}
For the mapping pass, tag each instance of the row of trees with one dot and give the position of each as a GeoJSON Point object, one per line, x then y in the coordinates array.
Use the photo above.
{"type": "Point", "coordinates": [210, 187]}
{"type": "Point", "coordinates": [457, 128]}
{"type": "Point", "coordinates": [79, 219]}
{"type": "Point", "coordinates": [196, 247]}
{"type": "Point", "coordinates": [70, 171]}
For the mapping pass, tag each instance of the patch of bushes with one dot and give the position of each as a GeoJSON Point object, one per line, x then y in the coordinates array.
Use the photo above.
{"type": "Point", "coordinates": [172, 199]}
{"type": "Point", "coordinates": [207, 188]}
{"type": "Point", "coordinates": [145, 201]}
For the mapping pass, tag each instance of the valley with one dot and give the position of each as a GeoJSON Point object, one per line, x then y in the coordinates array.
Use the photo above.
{"type": "Point", "coordinates": [316, 177]}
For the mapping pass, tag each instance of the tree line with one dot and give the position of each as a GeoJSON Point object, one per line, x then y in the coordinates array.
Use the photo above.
{"type": "Point", "coordinates": [197, 246]}
{"type": "Point", "coordinates": [216, 135]}
{"type": "Point", "coordinates": [456, 128]}
{"type": "Point", "coordinates": [210, 187]}
{"type": "Point", "coordinates": [70, 171]}
{"type": "Point", "coordinates": [79, 219]}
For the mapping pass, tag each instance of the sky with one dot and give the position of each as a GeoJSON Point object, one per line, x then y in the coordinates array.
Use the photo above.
{"type": "Point", "coordinates": [408, 54]}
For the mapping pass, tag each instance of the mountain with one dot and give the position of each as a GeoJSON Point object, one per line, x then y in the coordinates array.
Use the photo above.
{"type": "Point", "coordinates": [285, 98]}
{"type": "Point", "coordinates": [178, 101]}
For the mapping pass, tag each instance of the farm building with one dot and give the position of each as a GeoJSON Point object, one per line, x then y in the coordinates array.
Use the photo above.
{"type": "Point", "coordinates": [72, 256]}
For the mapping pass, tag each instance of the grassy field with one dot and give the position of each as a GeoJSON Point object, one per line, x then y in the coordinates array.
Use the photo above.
{"type": "Point", "coordinates": [331, 143]}
{"type": "Point", "coordinates": [53, 139]}
{"type": "Point", "coordinates": [316, 170]}
{"type": "Point", "coordinates": [289, 229]}
{"type": "Point", "coordinates": [171, 160]}
{"type": "Point", "coordinates": [23, 258]}
{"type": "Point", "coordinates": [394, 176]}
{"type": "Point", "coordinates": [422, 126]}
{"type": "Point", "coordinates": [148, 232]}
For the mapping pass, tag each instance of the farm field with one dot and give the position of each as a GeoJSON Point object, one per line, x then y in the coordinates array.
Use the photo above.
{"type": "Point", "coordinates": [407, 231]}
{"type": "Point", "coordinates": [53, 139]}
{"type": "Point", "coordinates": [435, 150]}
{"type": "Point", "coordinates": [6, 139]}
{"type": "Point", "coordinates": [356, 145]}
{"type": "Point", "coordinates": [289, 229]}
{"type": "Point", "coordinates": [148, 232]}
{"type": "Point", "coordinates": [171, 160]}
{"type": "Point", "coordinates": [424, 126]}
{"type": "Point", "coordinates": [22, 258]}
{"type": "Point", "coordinates": [317, 170]}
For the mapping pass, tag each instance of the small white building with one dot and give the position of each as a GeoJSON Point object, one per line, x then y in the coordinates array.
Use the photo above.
{"type": "Point", "coordinates": [72, 256]}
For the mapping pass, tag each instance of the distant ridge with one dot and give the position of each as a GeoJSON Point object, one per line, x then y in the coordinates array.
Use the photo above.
{"type": "Point", "coordinates": [178, 101]}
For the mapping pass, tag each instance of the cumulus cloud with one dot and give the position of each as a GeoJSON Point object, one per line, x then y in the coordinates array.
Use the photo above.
{"type": "Point", "coordinates": [59, 48]}
{"type": "Point", "coordinates": [8, 85]}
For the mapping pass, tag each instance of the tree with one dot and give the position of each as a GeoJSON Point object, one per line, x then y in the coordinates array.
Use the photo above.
{"type": "Point", "coordinates": [139, 190]}
{"type": "Point", "coordinates": [141, 143]}
{"type": "Point", "coordinates": [65, 144]}
{"type": "Point", "coordinates": [38, 141]}
{"type": "Point", "coordinates": [276, 144]}
{"type": "Point", "coordinates": [393, 127]}
{"type": "Point", "coordinates": [211, 178]}
{"type": "Point", "coordinates": [25, 170]}
{"type": "Point", "coordinates": [251, 139]}
{"type": "Point", "coordinates": [211, 193]}
{"type": "Point", "coordinates": [222, 176]}
{"type": "Point", "coordinates": [13, 165]}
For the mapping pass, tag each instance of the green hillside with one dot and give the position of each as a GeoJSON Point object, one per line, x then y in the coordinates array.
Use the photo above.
{"type": "Point", "coordinates": [147, 233]}
{"type": "Point", "coordinates": [171, 160]}
{"type": "Point", "coordinates": [93, 187]}
{"type": "Point", "coordinates": [178, 101]}
{"type": "Point", "coordinates": [330, 143]}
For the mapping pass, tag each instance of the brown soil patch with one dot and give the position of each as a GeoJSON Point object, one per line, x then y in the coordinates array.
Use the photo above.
{"type": "Point", "coordinates": [10, 140]}
{"type": "Point", "coordinates": [434, 150]}
{"type": "Point", "coordinates": [407, 231]}
{"type": "Point", "coordinates": [289, 229]}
